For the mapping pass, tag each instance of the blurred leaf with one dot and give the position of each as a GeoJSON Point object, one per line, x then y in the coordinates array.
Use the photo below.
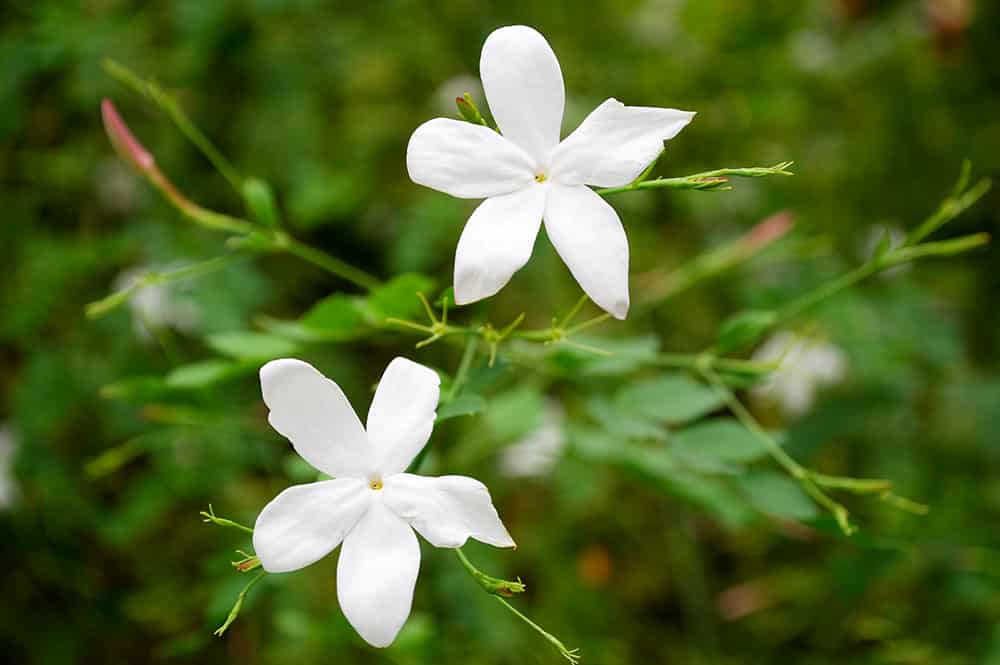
{"type": "Point", "coordinates": [337, 316]}
{"type": "Point", "coordinates": [627, 354]}
{"type": "Point", "coordinates": [466, 404]}
{"type": "Point", "coordinates": [777, 494]}
{"type": "Point", "coordinates": [205, 373]}
{"type": "Point", "coordinates": [260, 200]}
{"type": "Point", "coordinates": [515, 413]}
{"type": "Point", "coordinates": [621, 423]}
{"type": "Point", "coordinates": [245, 345]}
{"type": "Point", "coordinates": [721, 440]}
{"type": "Point", "coordinates": [673, 398]}
{"type": "Point", "coordinates": [743, 329]}
{"type": "Point", "coordinates": [136, 388]}
{"type": "Point", "coordinates": [398, 298]}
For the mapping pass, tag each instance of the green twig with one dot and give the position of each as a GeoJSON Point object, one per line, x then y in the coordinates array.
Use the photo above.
{"type": "Point", "coordinates": [717, 180]}
{"type": "Point", "coordinates": [108, 303]}
{"type": "Point", "coordinates": [503, 589]}
{"type": "Point", "coordinates": [210, 516]}
{"type": "Point", "coordinates": [238, 605]}
{"type": "Point", "coordinates": [572, 655]}
{"type": "Point", "coordinates": [168, 104]}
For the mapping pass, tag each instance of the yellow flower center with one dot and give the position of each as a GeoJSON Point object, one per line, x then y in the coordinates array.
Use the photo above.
{"type": "Point", "coordinates": [375, 483]}
{"type": "Point", "coordinates": [541, 177]}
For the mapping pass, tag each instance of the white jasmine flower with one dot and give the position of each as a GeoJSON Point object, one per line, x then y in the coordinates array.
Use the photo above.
{"type": "Point", "coordinates": [805, 365]}
{"type": "Point", "coordinates": [537, 453]}
{"type": "Point", "coordinates": [527, 175]}
{"type": "Point", "coordinates": [371, 505]}
{"type": "Point", "coordinates": [156, 306]}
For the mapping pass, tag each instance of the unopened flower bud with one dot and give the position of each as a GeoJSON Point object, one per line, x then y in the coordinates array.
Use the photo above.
{"type": "Point", "coordinates": [124, 142]}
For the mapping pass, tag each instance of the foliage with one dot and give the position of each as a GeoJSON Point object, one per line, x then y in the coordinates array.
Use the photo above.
{"type": "Point", "coordinates": [666, 531]}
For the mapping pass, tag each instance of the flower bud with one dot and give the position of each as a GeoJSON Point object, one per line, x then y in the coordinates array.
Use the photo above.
{"type": "Point", "coordinates": [125, 144]}
{"type": "Point", "coordinates": [468, 110]}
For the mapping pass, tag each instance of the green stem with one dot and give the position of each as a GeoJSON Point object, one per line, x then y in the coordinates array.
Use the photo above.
{"type": "Point", "coordinates": [503, 589]}
{"type": "Point", "coordinates": [238, 605]}
{"type": "Point", "coordinates": [167, 103]}
{"type": "Point", "coordinates": [108, 303]}
{"type": "Point", "coordinates": [210, 516]}
{"type": "Point", "coordinates": [490, 584]}
{"type": "Point", "coordinates": [327, 262]}
{"type": "Point", "coordinates": [717, 180]}
{"type": "Point", "coordinates": [464, 365]}
{"type": "Point", "coordinates": [572, 655]}
{"type": "Point", "coordinates": [876, 265]}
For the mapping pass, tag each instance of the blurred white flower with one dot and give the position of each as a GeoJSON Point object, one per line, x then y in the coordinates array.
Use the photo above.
{"type": "Point", "coordinates": [526, 174]}
{"type": "Point", "coordinates": [372, 505]}
{"type": "Point", "coordinates": [805, 365]}
{"type": "Point", "coordinates": [538, 452]}
{"type": "Point", "coordinates": [812, 51]}
{"type": "Point", "coordinates": [8, 485]}
{"type": "Point", "coordinates": [456, 86]}
{"type": "Point", "coordinates": [873, 239]}
{"type": "Point", "coordinates": [117, 190]}
{"type": "Point", "coordinates": [158, 306]}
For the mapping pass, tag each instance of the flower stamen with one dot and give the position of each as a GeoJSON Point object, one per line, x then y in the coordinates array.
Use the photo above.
{"type": "Point", "coordinates": [541, 177]}
{"type": "Point", "coordinates": [375, 483]}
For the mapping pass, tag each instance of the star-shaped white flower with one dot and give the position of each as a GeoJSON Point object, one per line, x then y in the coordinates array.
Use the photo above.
{"type": "Point", "coordinates": [526, 174]}
{"type": "Point", "coordinates": [371, 505]}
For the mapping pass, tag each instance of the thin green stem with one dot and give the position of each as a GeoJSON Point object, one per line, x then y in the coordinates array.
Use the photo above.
{"type": "Point", "coordinates": [589, 323]}
{"type": "Point", "coordinates": [574, 311]}
{"type": "Point", "coordinates": [210, 516]}
{"type": "Point", "coordinates": [875, 265]}
{"type": "Point", "coordinates": [572, 655]}
{"type": "Point", "coordinates": [238, 605]}
{"type": "Point", "coordinates": [503, 589]}
{"type": "Point", "coordinates": [327, 262]}
{"type": "Point", "coordinates": [717, 180]}
{"type": "Point", "coordinates": [108, 303]}
{"type": "Point", "coordinates": [464, 365]}
{"type": "Point", "coordinates": [168, 104]}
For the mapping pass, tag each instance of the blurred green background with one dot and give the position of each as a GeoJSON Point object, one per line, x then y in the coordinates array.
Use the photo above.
{"type": "Point", "coordinates": [626, 556]}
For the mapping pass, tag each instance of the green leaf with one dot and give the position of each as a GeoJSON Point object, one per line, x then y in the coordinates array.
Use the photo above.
{"type": "Point", "coordinates": [627, 354]}
{"type": "Point", "coordinates": [245, 345]}
{"type": "Point", "coordinates": [398, 298]}
{"type": "Point", "coordinates": [743, 329]}
{"type": "Point", "coordinates": [657, 467]}
{"type": "Point", "coordinates": [777, 494]}
{"type": "Point", "coordinates": [514, 413]}
{"type": "Point", "coordinates": [466, 404]}
{"type": "Point", "coordinates": [719, 440]}
{"type": "Point", "coordinates": [620, 423]}
{"type": "Point", "coordinates": [338, 317]}
{"type": "Point", "coordinates": [673, 399]}
{"type": "Point", "coordinates": [205, 373]}
{"type": "Point", "coordinates": [260, 201]}
{"type": "Point", "coordinates": [135, 388]}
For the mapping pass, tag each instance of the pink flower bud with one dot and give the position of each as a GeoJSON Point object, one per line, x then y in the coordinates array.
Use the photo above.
{"type": "Point", "coordinates": [767, 231]}
{"type": "Point", "coordinates": [124, 143]}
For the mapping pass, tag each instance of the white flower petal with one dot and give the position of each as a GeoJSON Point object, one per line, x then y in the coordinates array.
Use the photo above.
{"type": "Point", "coordinates": [402, 414]}
{"type": "Point", "coordinates": [448, 510]}
{"type": "Point", "coordinates": [312, 412]}
{"type": "Point", "coordinates": [614, 144]}
{"type": "Point", "coordinates": [305, 522]}
{"type": "Point", "coordinates": [466, 160]}
{"type": "Point", "coordinates": [524, 88]}
{"type": "Point", "coordinates": [589, 237]}
{"type": "Point", "coordinates": [496, 242]}
{"type": "Point", "coordinates": [376, 574]}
